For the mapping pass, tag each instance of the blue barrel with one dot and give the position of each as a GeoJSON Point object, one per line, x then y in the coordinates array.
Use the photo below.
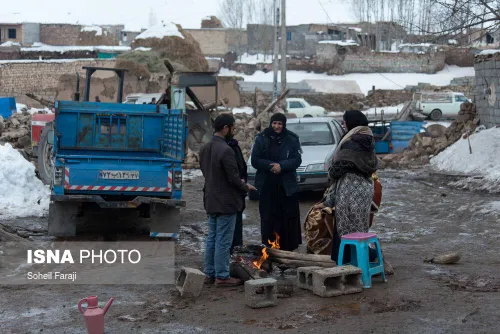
{"type": "Point", "coordinates": [7, 106]}
{"type": "Point", "coordinates": [402, 133]}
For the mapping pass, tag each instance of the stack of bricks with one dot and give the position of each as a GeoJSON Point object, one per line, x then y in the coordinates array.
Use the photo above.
{"type": "Point", "coordinates": [330, 282]}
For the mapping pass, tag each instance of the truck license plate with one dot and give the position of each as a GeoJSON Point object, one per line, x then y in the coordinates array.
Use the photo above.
{"type": "Point", "coordinates": [119, 174]}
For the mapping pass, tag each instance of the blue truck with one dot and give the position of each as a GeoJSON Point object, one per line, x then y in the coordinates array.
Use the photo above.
{"type": "Point", "coordinates": [119, 156]}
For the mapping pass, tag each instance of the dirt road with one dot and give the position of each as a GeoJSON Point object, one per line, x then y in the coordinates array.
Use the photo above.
{"type": "Point", "coordinates": [420, 217]}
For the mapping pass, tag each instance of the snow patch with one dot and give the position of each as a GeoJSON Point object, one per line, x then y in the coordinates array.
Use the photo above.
{"type": "Point", "coordinates": [98, 30]}
{"type": "Point", "coordinates": [341, 43]}
{"type": "Point", "coordinates": [40, 47]}
{"type": "Point", "coordinates": [189, 174]}
{"type": "Point", "coordinates": [9, 44]}
{"type": "Point", "coordinates": [141, 48]}
{"type": "Point", "coordinates": [160, 31]}
{"type": "Point", "coordinates": [488, 52]}
{"type": "Point", "coordinates": [483, 160]}
{"type": "Point", "coordinates": [22, 107]}
{"type": "Point", "coordinates": [366, 80]}
{"type": "Point", "coordinates": [244, 110]}
{"type": "Point", "coordinates": [24, 195]}
{"type": "Point", "coordinates": [259, 58]}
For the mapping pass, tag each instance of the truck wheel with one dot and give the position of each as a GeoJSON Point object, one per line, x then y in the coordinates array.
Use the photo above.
{"type": "Point", "coordinates": [165, 221]}
{"type": "Point", "coordinates": [62, 219]}
{"type": "Point", "coordinates": [45, 163]}
{"type": "Point", "coordinates": [435, 115]}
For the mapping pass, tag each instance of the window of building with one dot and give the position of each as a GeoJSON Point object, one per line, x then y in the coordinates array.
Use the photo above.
{"type": "Point", "coordinates": [12, 33]}
{"type": "Point", "coordinates": [288, 35]}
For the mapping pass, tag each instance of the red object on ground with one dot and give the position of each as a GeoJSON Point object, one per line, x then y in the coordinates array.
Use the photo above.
{"type": "Point", "coordinates": [38, 122]}
{"type": "Point", "coordinates": [94, 316]}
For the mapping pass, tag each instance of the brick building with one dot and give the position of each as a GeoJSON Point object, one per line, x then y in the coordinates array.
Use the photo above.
{"type": "Point", "coordinates": [24, 33]}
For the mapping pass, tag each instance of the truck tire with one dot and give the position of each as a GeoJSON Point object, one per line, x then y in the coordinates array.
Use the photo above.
{"type": "Point", "coordinates": [165, 221]}
{"type": "Point", "coordinates": [435, 115]}
{"type": "Point", "coordinates": [62, 219]}
{"type": "Point", "coordinates": [45, 163]}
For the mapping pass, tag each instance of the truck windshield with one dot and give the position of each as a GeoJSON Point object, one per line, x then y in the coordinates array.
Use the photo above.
{"type": "Point", "coordinates": [311, 134]}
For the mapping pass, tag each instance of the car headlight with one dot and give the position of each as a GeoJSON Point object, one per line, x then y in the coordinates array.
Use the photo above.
{"type": "Point", "coordinates": [315, 168]}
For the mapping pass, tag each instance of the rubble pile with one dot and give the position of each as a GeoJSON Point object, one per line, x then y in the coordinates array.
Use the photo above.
{"type": "Point", "coordinates": [436, 139]}
{"type": "Point", "coordinates": [16, 130]}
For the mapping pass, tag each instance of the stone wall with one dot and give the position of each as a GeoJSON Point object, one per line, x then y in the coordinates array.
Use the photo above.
{"type": "Point", "coordinates": [218, 42]}
{"type": "Point", "coordinates": [393, 63]}
{"type": "Point", "coordinates": [487, 95]}
{"type": "Point", "coordinates": [59, 34]}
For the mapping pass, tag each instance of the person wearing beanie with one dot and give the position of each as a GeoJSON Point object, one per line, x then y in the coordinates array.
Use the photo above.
{"type": "Point", "coordinates": [276, 155]}
{"type": "Point", "coordinates": [350, 173]}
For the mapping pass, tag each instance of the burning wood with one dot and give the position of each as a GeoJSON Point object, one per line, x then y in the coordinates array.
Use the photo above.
{"type": "Point", "coordinates": [258, 263]}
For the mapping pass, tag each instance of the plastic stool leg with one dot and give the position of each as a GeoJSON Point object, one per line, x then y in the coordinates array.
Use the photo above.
{"type": "Point", "coordinates": [341, 253]}
{"type": "Point", "coordinates": [364, 264]}
{"type": "Point", "coordinates": [381, 260]}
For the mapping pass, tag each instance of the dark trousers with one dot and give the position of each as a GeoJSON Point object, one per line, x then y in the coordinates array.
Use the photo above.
{"type": "Point", "coordinates": [238, 231]}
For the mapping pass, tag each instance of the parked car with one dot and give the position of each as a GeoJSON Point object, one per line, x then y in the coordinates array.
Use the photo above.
{"type": "Point", "coordinates": [301, 108]}
{"type": "Point", "coordinates": [439, 105]}
{"type": "Point", "coordinates": [319, 138]}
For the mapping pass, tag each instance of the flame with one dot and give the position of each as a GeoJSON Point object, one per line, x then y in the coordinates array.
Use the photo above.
{"type": "Point", "coordinates": [276, 242]}
{"type": "Point", "coordinates": [258, 263]}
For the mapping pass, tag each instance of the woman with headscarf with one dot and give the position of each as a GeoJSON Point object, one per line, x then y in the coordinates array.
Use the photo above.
{"type": "Point", "coordinates": [276, 155]}
{"type": "Point", "coordinates": [350, 174]}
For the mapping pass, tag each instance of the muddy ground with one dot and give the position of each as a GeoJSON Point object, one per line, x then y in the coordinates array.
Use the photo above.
{"type": "Point", "coordinates": [421, 217]}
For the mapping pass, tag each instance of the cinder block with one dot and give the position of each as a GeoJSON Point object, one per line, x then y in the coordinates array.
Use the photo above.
{"type": "Point", "coordinates": [328, 282]}
{"type": "Point", "coordinates": [261, 293]}
{"type": "Point", "coordinates": [190, 282]}
{"type": "Point", "coordinates": [304, 277]}
{"type": "Point", "coordinates": [352, 279]}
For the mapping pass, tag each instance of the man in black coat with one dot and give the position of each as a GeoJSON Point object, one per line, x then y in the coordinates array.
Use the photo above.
{"type": "Point", "coordinates": [223, 198]}
{"type": "Point", "coordinates": [242, 169]}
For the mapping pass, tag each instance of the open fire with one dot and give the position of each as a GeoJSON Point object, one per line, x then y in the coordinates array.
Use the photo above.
{"type": "Point", "coordinates": [274, 244]}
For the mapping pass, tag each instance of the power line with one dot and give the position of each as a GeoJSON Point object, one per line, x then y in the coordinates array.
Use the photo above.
{"type": "Point", "coordinates": [383, 76]}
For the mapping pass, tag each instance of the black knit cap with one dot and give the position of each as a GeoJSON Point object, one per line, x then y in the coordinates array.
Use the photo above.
{"type": "Point", "coordinates": [278, 117]}
{"type": "Point", "coordinates": [354, 118]}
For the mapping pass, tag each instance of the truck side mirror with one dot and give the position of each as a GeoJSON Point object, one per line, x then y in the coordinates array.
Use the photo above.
{"type": "Point", "coordinates": [50, 137]}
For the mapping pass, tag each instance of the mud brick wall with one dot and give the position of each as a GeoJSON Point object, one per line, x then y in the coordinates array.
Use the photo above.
{"type": "Point", "coordinates": [487, 94]}
{"type": "Point", "coordinates": [59, 34]}
{"type": "Point", "coordinates": [50, 80]}
{"type": "Point", "coordinates": [393, 63]}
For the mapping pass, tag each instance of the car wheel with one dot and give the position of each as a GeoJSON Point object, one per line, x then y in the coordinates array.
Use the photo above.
{"type": "Point", "coordinates": [435, 115]}
{"type": "Point", "coordinates": [307, 116]}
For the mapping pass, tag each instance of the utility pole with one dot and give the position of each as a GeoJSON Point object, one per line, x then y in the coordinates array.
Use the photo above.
{"type": "Point", "coordinates": [276, 49]}
{"type": "Point", "coordinates": [283, 47]}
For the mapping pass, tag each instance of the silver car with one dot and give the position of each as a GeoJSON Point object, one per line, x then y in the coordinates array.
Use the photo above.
{"type": "Point", "coordinates": [319, 138]}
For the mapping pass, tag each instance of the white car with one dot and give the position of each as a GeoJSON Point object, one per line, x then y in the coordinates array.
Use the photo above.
{"type": "Point", "coordinates": [439, 105]}
{"type": "Point", "coordinates": [318, 138]}
{"type": "Point", "coordinates": [301, 108]}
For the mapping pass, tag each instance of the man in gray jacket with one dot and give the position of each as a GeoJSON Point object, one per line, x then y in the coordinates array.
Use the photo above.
{"type": "Point", "coordinates": [222, 198]}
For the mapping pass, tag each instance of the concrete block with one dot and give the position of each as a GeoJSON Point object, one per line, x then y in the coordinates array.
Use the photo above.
{"type": "Point", "coordinates": [352, 279]}
{"type": "Point", "coordinates": [261, 293]}
{"type": "Point", "coordinates": [328, 282]}
{"type": "Point", "coordinates": [304, 277]}
{"type": "Point", "coordinates": [190, 282]}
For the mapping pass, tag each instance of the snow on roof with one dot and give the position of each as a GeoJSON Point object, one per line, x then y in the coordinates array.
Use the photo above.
{"type": "Point", "coordinates": [356, 29]}
{"type": "Point", "coordinates": [98, 30]}
{"type": "Point", "coordinates": [452, 41]}
{"type": "Point", "coordinates": [341, 43]}
{"type": "Point", "coordinates": [40, 47]}
{"type": "Point", "coordinates": [9, 43]}
{"type": "Point", "coordinates": [27, 61]}
{"type": "Point", "coordinates": [160, 31]}
{"type": "Point", "coordinates": [488, 52]}
{"type": "Point", "coordinates": [141, 48]}
{"type": "Point", "coordinates": [415, 45]}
